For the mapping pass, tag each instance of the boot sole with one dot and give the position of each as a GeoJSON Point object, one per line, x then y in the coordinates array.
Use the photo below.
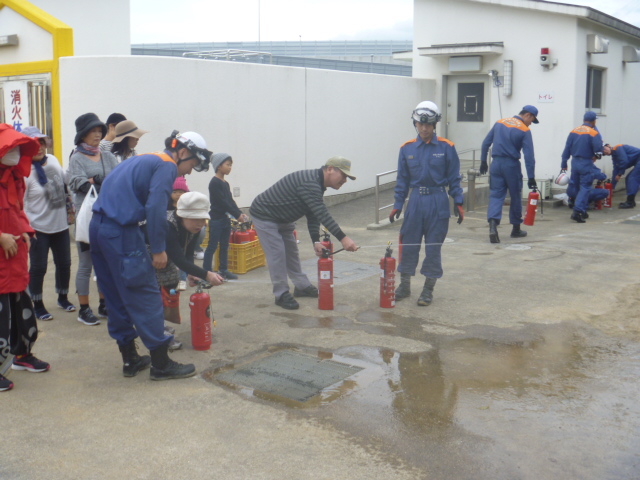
{"type": "Point", "coordinates": [172, 377]}
{"type": "Point", "coordinates": [423, 303]}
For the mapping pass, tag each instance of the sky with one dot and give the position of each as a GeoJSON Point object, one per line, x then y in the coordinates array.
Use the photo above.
{"type": "Point", "coordinates": [167, 21]}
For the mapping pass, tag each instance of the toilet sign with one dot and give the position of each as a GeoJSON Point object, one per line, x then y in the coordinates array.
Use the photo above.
{"type": "Point", "coordinates": [16, 104]}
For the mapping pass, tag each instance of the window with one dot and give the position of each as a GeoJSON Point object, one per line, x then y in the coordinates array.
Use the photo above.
{"type": "Point", "coordinates": [595, 83]}
{"type": "Point", "coordinates": [470, 102]}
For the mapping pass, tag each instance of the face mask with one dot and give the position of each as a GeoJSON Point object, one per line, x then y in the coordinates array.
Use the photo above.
{"type": "Point", "coordinates": [12, 157]}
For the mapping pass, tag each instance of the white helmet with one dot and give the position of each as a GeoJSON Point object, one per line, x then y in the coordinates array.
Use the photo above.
{"type": "Point", "coordinates": [427, 112]}
{"type": "Point", "coordinates": [562, 179]}
{"type": "Point", "coordinates": [194, 142]}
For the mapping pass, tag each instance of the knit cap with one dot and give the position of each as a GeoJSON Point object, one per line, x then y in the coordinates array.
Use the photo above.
{"type": "Point", "coordinates": [181, 184]}
{"type": "Point", "coordinates": [218, 159]}
{"type": "Point", "coordinates": [193, 205]}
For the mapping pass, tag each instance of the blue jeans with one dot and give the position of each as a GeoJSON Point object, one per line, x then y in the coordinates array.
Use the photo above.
{"type": "Point", "coordinates": [60, 247]}
{"type": "Point", "coordinates": [219, 231]}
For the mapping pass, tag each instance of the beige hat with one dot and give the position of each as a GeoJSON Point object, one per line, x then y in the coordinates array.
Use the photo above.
{"type": "Point", "coordinates": [127, 128]}
{"type": "Point", "coordinates": [193, 205]}
{"type": "Point", "coordinates": [341, 164]}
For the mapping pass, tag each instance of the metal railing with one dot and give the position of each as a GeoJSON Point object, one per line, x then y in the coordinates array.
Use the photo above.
{"type": "Point", "coordinates": [377, 191]}
{"type": "Point", "coordinates": [472, 173]}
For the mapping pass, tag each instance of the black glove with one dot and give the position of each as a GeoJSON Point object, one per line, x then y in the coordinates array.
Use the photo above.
{"type": "Point", "coordinates": [484, 168]}
{"type": "Point", "coordinates": [532, 184]}
{"type": "Point", "coordinates": [458, 211]}
{"type": "Point", "coordinates": [98, 179]}
{"type": "Point", "coordinates": [394, 213]}
{"type": "Point", "coordinates": [598, 155]}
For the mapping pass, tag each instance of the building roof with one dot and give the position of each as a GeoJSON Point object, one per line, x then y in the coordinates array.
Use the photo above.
{"type": "Point", "coordinates": [587, 13]}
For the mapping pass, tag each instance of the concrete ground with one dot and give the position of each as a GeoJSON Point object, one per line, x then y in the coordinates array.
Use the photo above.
{"type": "Point", "coordinates": [524, 367]}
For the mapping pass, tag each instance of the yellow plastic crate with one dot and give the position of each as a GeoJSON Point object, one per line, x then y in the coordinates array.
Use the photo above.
{"type": "Point", "coordinates": [243, 257]}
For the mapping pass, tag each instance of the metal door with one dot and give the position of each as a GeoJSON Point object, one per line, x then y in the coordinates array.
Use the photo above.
{"type": "Point", "coordinates": [467, 110]}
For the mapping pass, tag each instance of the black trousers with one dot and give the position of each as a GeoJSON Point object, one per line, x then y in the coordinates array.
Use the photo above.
{"type": "Point", "coordinates": [18, 326]}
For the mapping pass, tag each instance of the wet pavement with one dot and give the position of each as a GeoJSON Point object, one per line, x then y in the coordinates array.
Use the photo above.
{"type": "Point", "coordinates": [524, 367]}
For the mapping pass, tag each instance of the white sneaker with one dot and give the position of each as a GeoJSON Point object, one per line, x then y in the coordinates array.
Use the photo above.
{"type": "Point", "coordinates": [199, 255]}
{"type": "Point", "coordinates": [182, 285]}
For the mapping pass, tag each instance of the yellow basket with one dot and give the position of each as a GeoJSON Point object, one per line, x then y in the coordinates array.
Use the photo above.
{"type": "Point", "coordinates": [243, 257]}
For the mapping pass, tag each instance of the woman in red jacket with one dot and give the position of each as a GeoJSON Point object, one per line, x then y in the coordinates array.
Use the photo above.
{"type": "Point", "coordinates": [18, 327]}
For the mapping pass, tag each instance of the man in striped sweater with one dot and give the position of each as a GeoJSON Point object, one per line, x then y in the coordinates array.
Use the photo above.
{"type": "Point", "coordinates": [274, 214]}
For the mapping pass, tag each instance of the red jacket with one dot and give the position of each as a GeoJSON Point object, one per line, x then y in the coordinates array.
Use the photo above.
{"type": "Point", "coordinates": [14, 272]}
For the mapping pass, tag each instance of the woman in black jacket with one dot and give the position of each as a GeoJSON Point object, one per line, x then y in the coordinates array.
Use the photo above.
{"type": "Point", "coordinates": [183, 226]}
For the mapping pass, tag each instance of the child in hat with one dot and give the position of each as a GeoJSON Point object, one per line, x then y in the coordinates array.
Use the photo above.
{"type": "Point", "coordinates": [222, 205]}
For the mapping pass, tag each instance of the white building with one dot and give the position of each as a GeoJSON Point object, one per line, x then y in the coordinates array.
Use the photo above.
{"type": "Point", "coordinates": [69, 58]}
{"type": "Point", "coordinates": [591, 64]}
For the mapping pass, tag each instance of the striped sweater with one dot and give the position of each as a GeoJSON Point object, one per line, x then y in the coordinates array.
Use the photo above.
{"type": "Point", "coordinates": [294, 196]}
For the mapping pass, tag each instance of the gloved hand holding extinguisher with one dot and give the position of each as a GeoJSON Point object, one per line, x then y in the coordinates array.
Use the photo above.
{"type": "Point", "coordinates": [394, 213]}
{"type": "Point", "coordinates": [532, 183]}
{"type": "Point", "coordinates": [458, 211]}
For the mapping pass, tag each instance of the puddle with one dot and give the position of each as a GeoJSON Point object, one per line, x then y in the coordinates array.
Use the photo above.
{"type": "Point", "coordinates": [485, 402]}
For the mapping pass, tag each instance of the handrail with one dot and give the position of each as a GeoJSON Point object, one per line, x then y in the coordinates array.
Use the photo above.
{"type": "Point", "coordinates": [472, 172]}
{"type": "Point", "coordinates": [377, 191]}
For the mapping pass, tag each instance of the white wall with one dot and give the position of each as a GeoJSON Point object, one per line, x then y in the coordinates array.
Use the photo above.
{"type": "Point", "coordinates": [34, 43]}
{"type": "Point", "coordinates": [99, 27]}
{"type": "Point", "coordinates": [524, 32]}
{"type": "Point", "coordinates": [273, 120]}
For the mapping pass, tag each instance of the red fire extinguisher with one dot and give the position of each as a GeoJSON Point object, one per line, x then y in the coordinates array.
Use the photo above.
{"type": "Point", "coordinates": [234, 229]}
{"type": "Point", "coordinates": [532, 207]}
{"type": "Point", "coordinates": [242, 235]}
{"type": "Point", "coordinates": [201, 319]}
{"type": "Point", "coordinates": [608, 202]}
{"type": "Point", "coordinates": [253, 235]}
{"type": "Point", "coordinates": [326, 241]}
{"type": "Point", "coordinates": [388, 280]}
{"type": "Point", "coordinates": [325, 281]}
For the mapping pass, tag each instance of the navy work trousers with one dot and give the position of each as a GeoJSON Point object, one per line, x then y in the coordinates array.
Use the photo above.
{"type": "Point", "coordinates": [128, 280]}
{"type": "Point", "coordinates": [506, 175]}
{"type": "Point", "coordinates": [427, 216]}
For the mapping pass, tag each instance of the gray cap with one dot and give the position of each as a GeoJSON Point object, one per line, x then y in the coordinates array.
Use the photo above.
{"type": "Point", "coordinates": [218, 159]}
{"type": "Point", "coordinates": [33, 132]}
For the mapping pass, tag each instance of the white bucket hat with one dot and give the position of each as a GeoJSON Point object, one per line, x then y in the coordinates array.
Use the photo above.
{"type": "Point", "coordinates": [193, 205]}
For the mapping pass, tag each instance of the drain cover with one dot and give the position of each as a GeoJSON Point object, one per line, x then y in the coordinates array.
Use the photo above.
{"type": "Point", "coordinates": [289, 374]}
{"type": "Point", "coordinates": [343, 270]}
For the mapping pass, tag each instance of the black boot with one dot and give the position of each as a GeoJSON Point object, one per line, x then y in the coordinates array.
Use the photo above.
{"type": "Point", "coordinates": [163, 368]}
{"type": "Point", "coordinates": [132, 362]}
{"type": "Point", "coordinates": [578, 217]}
{"type": "Point", "coordinates": [630, 203]}
{"type": "Point", "coordinates": [404, 290]}
{"type": "Point", "coordinates": [426, 297]}
{"type": "Point", "coordinates": [517, 233]}
{"type": "Point", "coordinates": [493, 231]}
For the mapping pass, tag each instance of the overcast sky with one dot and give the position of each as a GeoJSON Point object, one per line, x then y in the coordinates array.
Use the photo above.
{"type": "Point", "coordinates": [162, 21]}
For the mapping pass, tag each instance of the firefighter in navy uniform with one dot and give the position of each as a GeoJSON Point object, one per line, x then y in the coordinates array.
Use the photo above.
{"type": "Point", "coordinates": [625, 157]}
{"type": "Point", "coordinates": [509, 136]}
{"type": "Point", "coordinates": [583, 144]}
{"type": "Point", "coordinates": [427, 165]}
{"type": "Point", "coordinates": [139, 189]}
